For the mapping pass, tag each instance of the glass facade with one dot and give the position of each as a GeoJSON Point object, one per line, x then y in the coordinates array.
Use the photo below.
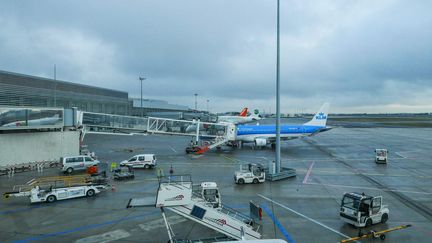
{"type": "Point", "coordinates": [23, 90]}
{"type": "Point", "coordinates": [28, 118]}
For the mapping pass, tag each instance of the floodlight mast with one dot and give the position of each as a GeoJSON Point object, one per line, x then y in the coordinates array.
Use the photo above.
{"type": "Point", "coordinates": [278, 161]}
{"type": "Point", "coordinates": [142, 109]}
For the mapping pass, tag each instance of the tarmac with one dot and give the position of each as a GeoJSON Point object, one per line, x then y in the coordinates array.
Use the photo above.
{"type": "Point", "coordinates": [304, 208]}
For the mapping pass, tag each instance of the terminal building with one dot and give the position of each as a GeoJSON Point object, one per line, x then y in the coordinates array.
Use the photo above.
{"type": "Point", "coordinates": [151, 106]}
{"type": "Point", "coordinates": [25, 90]}
{"type": "Point", "coordinates": [31, 91]}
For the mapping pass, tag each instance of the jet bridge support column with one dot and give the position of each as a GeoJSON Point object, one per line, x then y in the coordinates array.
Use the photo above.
{"type": "Point", "coordinates": [197, 131]}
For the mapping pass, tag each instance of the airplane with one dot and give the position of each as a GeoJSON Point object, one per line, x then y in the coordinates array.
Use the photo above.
{"type": "Point", "coordinates": [240, 119]}
{"type": "Point", "coordinates": [36, 122]}
{"type": "Point", "coordinates": [261, 135]}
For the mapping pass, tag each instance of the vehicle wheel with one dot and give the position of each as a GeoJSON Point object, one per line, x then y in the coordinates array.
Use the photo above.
{"type": "Point", "coordinates": [90, 193]}
{"type": "Point", "coordinates": [51, 199]}
{"type": "Point", "coordinates": [384, 218]}
{"type": "Point", "coordinates": [368, 222]}
{"type": "Point", "coordinates": [255, 181]}
{"type": "Point", "coordinates": [146, 166]}
{"type": "Point", "coordinates": [382, 236]}
{"type": "Point", "coordinates": [69, 170]}
{"type": "Point", "coordinates": [240, 181]}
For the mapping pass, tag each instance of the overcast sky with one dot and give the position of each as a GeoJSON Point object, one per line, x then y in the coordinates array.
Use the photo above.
{"type": "Point", "coordinates": [362, 56]}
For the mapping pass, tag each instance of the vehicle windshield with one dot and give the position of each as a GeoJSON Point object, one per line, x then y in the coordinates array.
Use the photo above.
{"type": "Point", "coordinates": [350, 202]}
{"type": "Point", "coordinates": [132, 159]}
{"type": "Point", "coordinates": [210, 194]}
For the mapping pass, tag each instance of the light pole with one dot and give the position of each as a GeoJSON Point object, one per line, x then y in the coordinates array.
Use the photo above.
{"type": "Point", "coordinates": [278, 162]}
{"type": "Point", "coordinates": [196, 104]}
{"type": "Point", "coordinates": [208, 106]}
{"type": "Point", "coordinates": [142, 110]}
{"type": "Point", "coordinates": [55, 86]}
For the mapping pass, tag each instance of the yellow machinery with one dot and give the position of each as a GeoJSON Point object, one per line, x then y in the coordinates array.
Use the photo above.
{"type": "Point", "coordinates": [376, 234]}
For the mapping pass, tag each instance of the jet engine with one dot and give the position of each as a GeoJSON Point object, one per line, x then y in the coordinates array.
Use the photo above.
{"type": "Point", "coordinates": [260, 142]}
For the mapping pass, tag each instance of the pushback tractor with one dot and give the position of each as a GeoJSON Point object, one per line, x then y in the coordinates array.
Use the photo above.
{"type": "Point", "coordinates": [361, 210]}
{"type": "Point", "coordinates": [381, 156]}
{"type": "Point", "coordinates": [250, 173]}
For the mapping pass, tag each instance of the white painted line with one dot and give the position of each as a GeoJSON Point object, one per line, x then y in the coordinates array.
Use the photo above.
{"type": "Point", "coordinates": [105, 237]}
{"type": "Point", "coordinates": [159, 223]}
{"type": "Point", "coordinates": [175, 151]}
{"type": "Point", "coordinates": [397, 153]}
{"type": "Point", "coordinates": [308, 173]}
{"type": "Point", "coordinates": [304, 216]}
{"type": "Point", "coordinates": [369, 188]}
{"type": "Point", "coordinates": [140, 181]}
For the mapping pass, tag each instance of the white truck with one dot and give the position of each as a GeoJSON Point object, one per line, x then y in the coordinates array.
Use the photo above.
{"type": "Point", "coordinates": [145, 161]}
{"type": "Point", "coordinates": [51, 189]}
{"type": "Point", "coordinates": [361, 210]}
{"type": "Point", "coordinates": [381, 156]}
{"type": "Point", "coordinates": [250, 173]}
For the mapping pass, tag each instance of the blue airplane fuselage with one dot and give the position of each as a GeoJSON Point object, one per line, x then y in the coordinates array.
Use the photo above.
{"type": "Point", "coordinates": [248, 133]}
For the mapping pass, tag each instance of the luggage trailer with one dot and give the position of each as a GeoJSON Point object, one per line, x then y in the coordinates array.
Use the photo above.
{"type": "Point", "coordinates": [51, 189]}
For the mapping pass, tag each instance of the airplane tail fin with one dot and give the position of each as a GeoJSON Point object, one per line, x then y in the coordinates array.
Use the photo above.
{"type": "Point", "coordinates": [256, 115]}
{"type": "Point", "coordinates": [244, 112]}
{"type": "Point", "coordinates": [320, 118]}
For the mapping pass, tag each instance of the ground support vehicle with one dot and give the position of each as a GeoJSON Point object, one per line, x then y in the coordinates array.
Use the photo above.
{"type": "Point", "coordinates": [250, 173]}
{"type": "Point", "coordinates": [192, 149]}
{"type": "Point", "coordinates": [145, 161]}
{"type": "Point", "coordinates": [76, 163]}
{"type": "Point", "coordinates": [361, 210]}
{"type": "Point", "coordinates": [375, 234]}
{"type": "Point", "coordinates": [51, 189]}
{"type": "Point", "coordinates": [202, 204]}
{"type": "Point", "coordinates": [381, 156]}
{"type": "Point", "coordinates": [124, 173]}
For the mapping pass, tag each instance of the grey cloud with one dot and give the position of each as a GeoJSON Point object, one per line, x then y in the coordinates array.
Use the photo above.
{"type": "Point", "coordinates": [362, 55]}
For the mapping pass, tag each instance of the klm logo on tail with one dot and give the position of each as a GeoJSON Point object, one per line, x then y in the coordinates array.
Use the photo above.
{"type": "Point", "coordinates": [321, 116]}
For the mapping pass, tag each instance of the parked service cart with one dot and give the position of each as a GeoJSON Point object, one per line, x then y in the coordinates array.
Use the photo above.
{"type": "Point", "coordinates": [250, 173]}
{"type": "Point", "coordinates": [51, 189]}
{"type": "Point", "coordinates": [381, 156]}
{"type": "Point", "coordinates": [361, 210]}
{"type": "Point", "coordinates": [145, 161]}
{"type": "Point", "coordinates": [124, 173]}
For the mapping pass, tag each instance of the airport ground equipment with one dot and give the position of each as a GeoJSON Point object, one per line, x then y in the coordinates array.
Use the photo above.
{"type": "Point", "coordinates": [361, 210]}
{"type": "Point", "coordinates": [250, 173]}
{"type": "Point", "coordinates": [381, 156]}
{"type": "Point", "coordinates": [124, 173]}
{"type": "Point", "coordinates": [51, 189]}
{"type": "Point", "coordinates": [145, 161]}
{"type": "Point", "coordinates": [192, 149]}
{"type": "Point", "coordinates": [201, 204]}
{"type": "Point", "coordinates": [76, 163]}
{"type": "Point", "coordinates": [375, 234]}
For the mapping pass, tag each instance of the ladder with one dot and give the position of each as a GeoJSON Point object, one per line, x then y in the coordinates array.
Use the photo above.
{"type": "Point", "coordinates": [217, 142]}
{"type": "Point", "coordinates": [178, 197]}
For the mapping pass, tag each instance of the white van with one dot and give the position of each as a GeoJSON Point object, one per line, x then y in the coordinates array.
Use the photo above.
{"type": "Point", "coordinates": [73, 163]}
{"type": "Point", "coordinates": [145, 161]}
